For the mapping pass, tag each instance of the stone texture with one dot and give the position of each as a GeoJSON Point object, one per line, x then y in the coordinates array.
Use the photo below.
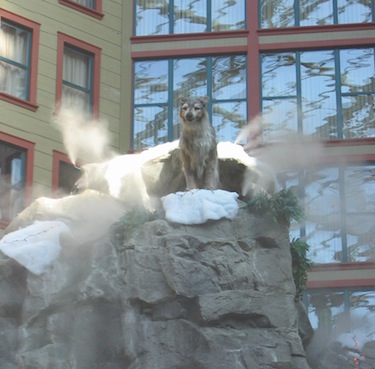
{"type": "Point", "coordinates": [162, 296]}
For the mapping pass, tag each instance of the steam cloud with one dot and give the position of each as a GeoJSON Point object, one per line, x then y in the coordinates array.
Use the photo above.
{"type": "Point", "coordinates": [85, 140]}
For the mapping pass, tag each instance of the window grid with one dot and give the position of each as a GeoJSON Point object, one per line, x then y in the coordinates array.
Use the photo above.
{"type": "Point", "coordinates": [298, 95]}
{"type": "Point", "coordinates": [171, 17]}
{"type": "Point", "coordinates": [287, 13]}
{"type": "Point", "coordinates": [86, 90]}
{"type": "Point", "coordinates": [26, 66]}
{"type": "Point", "coordinates": [171, 101]}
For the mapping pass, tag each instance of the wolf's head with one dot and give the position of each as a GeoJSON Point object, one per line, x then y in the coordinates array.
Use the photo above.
{"type": "Point", "coordinates": [193, 109]}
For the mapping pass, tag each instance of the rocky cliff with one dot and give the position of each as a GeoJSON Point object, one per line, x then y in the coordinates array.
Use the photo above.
{"type": "Point", "coordinates": [159, 296]}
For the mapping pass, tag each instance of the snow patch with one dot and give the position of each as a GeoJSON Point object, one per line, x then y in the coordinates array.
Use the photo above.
{"type": "Point", "coordinates": [198, 206]}
{"type": "Point", "coordinates": [35, 247]}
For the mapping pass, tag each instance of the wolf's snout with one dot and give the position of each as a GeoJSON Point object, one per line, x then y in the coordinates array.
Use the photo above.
{"type": "Point", "coordinates": [189, 116]}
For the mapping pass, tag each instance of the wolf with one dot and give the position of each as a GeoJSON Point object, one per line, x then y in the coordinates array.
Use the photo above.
{"type": "Point", "coordinates": [198, 145]}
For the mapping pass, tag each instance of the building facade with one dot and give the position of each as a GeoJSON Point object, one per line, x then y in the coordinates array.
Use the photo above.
{"type": "Point", "coordinates": [308, 68]}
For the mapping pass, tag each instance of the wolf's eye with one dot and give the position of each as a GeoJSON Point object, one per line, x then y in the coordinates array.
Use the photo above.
{"type": "Point", "coordinates": [184, 108]}
{"type": "Point", "coordinates": [196, 108]}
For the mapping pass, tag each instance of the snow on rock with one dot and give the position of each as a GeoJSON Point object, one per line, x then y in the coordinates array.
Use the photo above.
{"type": "Point", "coordinates": [35, 247]}
{"type": "Point", "coordinates": [199, 206]}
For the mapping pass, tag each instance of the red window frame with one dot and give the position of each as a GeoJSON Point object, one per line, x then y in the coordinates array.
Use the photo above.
{"type": "Point", "coordinates": [63, 40]}
{"type": "Point", "coordinates": [28, 147]}
{"type": "Point", "coordinates": [96, 13]}
{"type": "Point", "coordinates": [34, 28]}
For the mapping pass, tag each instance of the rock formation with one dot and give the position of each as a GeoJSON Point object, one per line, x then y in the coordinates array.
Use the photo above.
{"type": "Point", "coordinates": [159, 296]}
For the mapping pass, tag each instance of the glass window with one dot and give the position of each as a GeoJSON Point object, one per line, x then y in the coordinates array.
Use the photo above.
{"type": "Point", "coordinates": [287, 13]}
{"type": "Point", "coordinates": [15, 60]}
{"type": "Point", "coordinates": [159, 84]}
{"type": "Point", "coordinates": [78, 76]}
{"type": "Point", "coordinates": [12, 181]}
{"type": "Point", "coordinates": [88, 3]}
{"type": "Point", "coordinates": [188, 16]}
{"type": "Point", "coordinates": [340, 212]}
{"type": "Point", "coordinates": [68, 175]}
{"type": "Point", "coordinates": [344, 321]}
{"type": "Point", "coordinates": [77, 79]}
{"type": "Point", "coordinates": [327, 94]}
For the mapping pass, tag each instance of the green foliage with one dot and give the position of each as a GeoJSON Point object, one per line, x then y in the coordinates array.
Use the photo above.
{"type": "Point", "coordinates": [300, 264]}
{"type": "Point", "coordinates": [134, 218]}
{"type": "Point", "coordinates": [284, 206]}
{"type": "Point", "coordinates": [281, 206]}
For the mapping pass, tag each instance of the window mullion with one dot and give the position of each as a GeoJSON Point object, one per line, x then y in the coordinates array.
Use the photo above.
{"type": "Point", "coordinates": [171, 100]}
{"type": "Point", "coordinates": [298, 92]}
{"type": "Point", "coordinates": [343, 223]}
{"type": "Point", "coordinates": [209, 15]}
{"type": "Point", "coordinates": [171, 17]}
{"type": "Point", "coordinates": [340, 130]}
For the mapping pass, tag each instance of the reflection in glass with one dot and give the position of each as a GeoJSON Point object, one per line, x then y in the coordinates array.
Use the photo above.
{"type": "Point", "coordinates": [354, 11]}
{"type": "Point", "coordinates": [279, 74]}
{"type": "Point", "coordinates": [325, 310]}
{"type": "Point", "coordinates": [150, 126]}
{"type": "Point", "coordinates": [358, 116]}
{"type": "Point", "coordinates": [229, 77]}
{"type": "Point", "coordinates": [190, 16]}
{"type": "Point", "coordinates": [160, 83]}
{"type": "Point", "coordinates": [279, 118]}
{"type": "Point", "coordinates": [228, 15]}
{"type": "Point", "coordinates": [357, 70]}
{"type": "Point", "coordinates": [287, 13]}
{"type": "Point", "coordinates": [332, 102]}
{"type": "Point", "coordinates": [152, 17]}
{"type": "Point", "coordinates": [314, 13]}
{"type": "Point", "coordinates": [318, 94]}
{"type": "Point", "coordinates": [322, 208]}
{"type": "Point", "coordinates": [228, 119]}
{"type": "Point", "coordinates": [190, 77]}
{"type": "Point", "coordinates": [360, 209]}
{"type": "Point", "coordinates": [277, 13]}
{"type": "Point", "coordinates": [151, 82]}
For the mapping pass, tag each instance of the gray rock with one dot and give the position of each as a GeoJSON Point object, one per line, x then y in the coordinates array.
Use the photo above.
{"type": "Point", "coordinates": [162, 296]}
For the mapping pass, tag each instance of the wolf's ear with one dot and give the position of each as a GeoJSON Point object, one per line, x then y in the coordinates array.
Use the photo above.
{"type": "Point", "coordinates": [182, 100]}
{"type": "Point", "coordinates": [204, 100]}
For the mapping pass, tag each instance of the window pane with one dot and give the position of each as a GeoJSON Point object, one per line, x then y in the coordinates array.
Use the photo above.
{"type": "Point", "coordinates": [13, 80]}
{"type": "Point", "coordinates": [190, 77]}
{"type": "Point", "coordinates": [357, 70]}
{"type": "Point", "coordinates": [88, 3]}
{"type": "Point", "coordinates": [68, 176]}
{"type": "Point", "coordinates": [151, 82]}
{"type": "Point", "coordinates": [152, 17]}
{"type": "Point", "coordinates": [14, 60]}
{"type": "Point", "coordinates": [325, 310]}
{"type": "Point", "coordinates": [358, 116]}
{"type": "Point", "coordinates": [318, 94]}
{"type": "Point", "coordinates": [229, 77]}
{"type": "Point", "coordinates": [277, 13]}
{"type": "Point", "coordinates": [323, 212]}
{"type": "Point", "coordinates": [314, 13]}
{"type": "Point", "coordinates": [76, 68]}
{"type": "Point", "coordinates": [75, 99]}
{"type": "Point", "coordinates": [228, 15]}
{"type": "Point", "coordinates": [279, 75]}
{"type": "Point", "coordinates": [190, 16]}
{"type": "Point", "coordinates": [12, 181]}
{"type": "Point", "coordinates": [360, 209]}
{"type": "Point", "coordinates": [279, 117]}
{"type": "Point", "coordinates": [228, 119]}
{"type": "Point", "coordinates": [354, 11]}
{"type": "Point", "coordinates": [150, 126]}
{"type": "Point", "coordinates": [15, 43]}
